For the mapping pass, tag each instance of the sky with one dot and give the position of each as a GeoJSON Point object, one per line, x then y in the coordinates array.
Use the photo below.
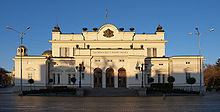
{"type": "Point", "coordinates": [177, 17]}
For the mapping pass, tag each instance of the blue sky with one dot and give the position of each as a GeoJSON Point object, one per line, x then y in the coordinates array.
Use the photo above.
{"type": "Point", "coordinates": [178, 18]}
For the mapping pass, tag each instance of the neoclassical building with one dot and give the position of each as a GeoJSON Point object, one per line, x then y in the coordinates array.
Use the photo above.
{"type": "Point", "coordinates": [111, 56]}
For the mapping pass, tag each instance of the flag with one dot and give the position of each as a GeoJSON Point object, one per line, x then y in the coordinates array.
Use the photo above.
{"type": "Point", "coordinates": [106, 13]}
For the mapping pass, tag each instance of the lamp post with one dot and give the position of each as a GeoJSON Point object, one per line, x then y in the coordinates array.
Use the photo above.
{"type": "Point", "coordinates": [21, 33]}
{"type": "Point", "coordinates": [142, 77]}
{"type": "Point", "coordinates": [80, 68]}
{"type": "Point", "coordinates": [200, 59]}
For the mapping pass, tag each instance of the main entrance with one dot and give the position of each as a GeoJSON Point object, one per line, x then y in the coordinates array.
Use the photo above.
{"type": "Point", "coordinates": [121, 77]}
{"type": "Point", "coordinates": [109, 77]}
{"type": "Point", "coordinates": [98, 78]}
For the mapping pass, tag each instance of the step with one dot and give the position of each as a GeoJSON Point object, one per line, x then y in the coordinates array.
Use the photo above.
{"type": "Point", "coordinates": [110, 92]}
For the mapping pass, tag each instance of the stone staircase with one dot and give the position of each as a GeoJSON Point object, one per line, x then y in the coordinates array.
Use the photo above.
{"type": "Point", "coordinates": [110, 92]}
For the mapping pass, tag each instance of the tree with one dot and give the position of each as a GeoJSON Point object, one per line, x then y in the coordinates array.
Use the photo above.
{"type": "Point", "coordinates": [212, 75]}
{"type": "Point", "coordinates": [191, 81]}
{"type": "Point", "coordinates": [150, 80]}
{"type": "Point", "coordinates": [50, 80]}
{"type": "Point", "coordinates": [171, 79]}
{"type": "Point", "coordinates": [218, 62]}
{"type": "Point", "coordinates": [5, 79]}
{"type": "Point", "coordinates": [31, 81]}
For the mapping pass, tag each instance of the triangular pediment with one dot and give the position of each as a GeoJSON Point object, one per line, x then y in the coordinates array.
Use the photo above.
{"type": "Point", "coordinates": [30, 69]}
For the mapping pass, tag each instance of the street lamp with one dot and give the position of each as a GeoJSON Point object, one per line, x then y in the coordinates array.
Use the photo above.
{"type": "Point", "coordinates": [142, 73]}
{"type": "Point", "coordinates": [80, 68]}
{"type": "Point", "coordinates": [142, 78]}
{"type": "Point", "coordinates": [200, 66]}
{"type": "Point", "coordinates": [21, 33]}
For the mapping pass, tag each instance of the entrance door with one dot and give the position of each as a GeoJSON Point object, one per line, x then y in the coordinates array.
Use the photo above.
{"type": "Point", "coordinates": [109, 77]}
{"type": "Point", "coordinates": [98, 78]}
{"type": "Point", "coordinates": [121, 77]}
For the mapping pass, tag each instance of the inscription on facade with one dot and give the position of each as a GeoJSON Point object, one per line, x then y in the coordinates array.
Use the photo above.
{"type": "Point", "coordinates": [110, 52]}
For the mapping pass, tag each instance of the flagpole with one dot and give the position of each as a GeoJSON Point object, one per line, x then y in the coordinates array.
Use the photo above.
{"type": "Point", "coordinates": [106, 16]}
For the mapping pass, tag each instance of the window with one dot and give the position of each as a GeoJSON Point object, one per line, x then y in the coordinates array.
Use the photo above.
{"type": "Point", "coordinates": [148, 52]}
{"type": "Point", "coordinates": [77, 46]}
{"type": "Point", "coordinates": [187, 62]}
{"type": "Point", "coordinates": [73, 52]}
{"type": "Point", "coordinates": [97, 60]}
{"type": "Point", "coordinates": [154, 52]}
{"type": "Point", "coordinates": [187, 75]}
{"type": "Point", "coordinates": [142, 46]}
{"type": "Point", "coordinates": [58, 78]}
{"type": "Point", "coordinates": [54, 78]}
{"type": "Point", "coordinates": [136, 76]}
{"type": "Point", "coordinates": [69, 79]}
{"type": "Point", "coordinates": [109, 60]}
{"type": "Point", "coordinates": [148, 76]}
{"type": "Point", "coordinates": [29, 76]}
{"type": "Point", "coordinates": [161, 64]}
{"type": "Point", "coordinates": [88, 46]}
{"type": "Point", "coordinates": [158, 78]}
{"type": "Point", "coordinates": [121, 60]}
{"type": "Point", "coordinates": [163, 78]}
{"type": "Point", "coordinates": [64, 51]}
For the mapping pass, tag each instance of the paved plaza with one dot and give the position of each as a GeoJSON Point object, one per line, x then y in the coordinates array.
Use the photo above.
{"type": "Point", "coordinates": [14, 103]}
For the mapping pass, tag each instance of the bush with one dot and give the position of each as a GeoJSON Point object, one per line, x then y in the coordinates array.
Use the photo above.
{"type": "Point", "coordinates": [50, 80]}
{"type": "Point", "coordinates": [171, 79]}
{"type": "Point", "coordinates": [31, 81]}
{"type": "Point", "coordinates": [191, 80]}
{"type": "Point", "coordinates": [150, 80]}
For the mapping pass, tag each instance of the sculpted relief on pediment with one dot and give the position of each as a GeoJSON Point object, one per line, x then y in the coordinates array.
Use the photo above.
{"type": "Point", "coordinates": [108, 33]}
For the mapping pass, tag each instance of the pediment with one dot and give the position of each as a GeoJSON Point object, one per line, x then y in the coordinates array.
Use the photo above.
{"type": "Point", "coordinates": [30, 69]}
{"type": "Point", "coordinates": [108, 32]}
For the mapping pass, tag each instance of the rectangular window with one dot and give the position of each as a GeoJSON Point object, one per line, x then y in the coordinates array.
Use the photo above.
{"type": "Point", "coordinates": [97, 60]}
{"type": "Point", "coordinates": [161, 64]}
{"type": "Point", "coordinates": [54, 78]}
{"type": "Point", "coordinates": [69, 79]}
{"type": "Point", "coordinates": [60, 52]}
{"type": "Point", "coordinates": [136, 76]}
{"type": "Point", "coordinates": [148, 52]}
{"type": "Point", "coordinates": [158, 78]}
{"type": "Point", "coordinates": [64, 51]}
{"type": "Point", "coordinates": [163, 78]}
{"type": "Point", "coordinates": [29, 76]}
{"type": "Point", "coordinates": [154, 52]}
{"type": "Point", "coordinates": [121, 60]}
{"type": "Point", "coordinates": [73, 52]}
{"type": "Point", "coordinates": [187, 76]}
{"type": "Point", "coordinates": [58, 78]}
{"type": "Point", "coordinates": [187, 62]}
{"type": "Point", "coordinates": [109, 60]}
{"type": "Point", "coordinates": [148, 76]}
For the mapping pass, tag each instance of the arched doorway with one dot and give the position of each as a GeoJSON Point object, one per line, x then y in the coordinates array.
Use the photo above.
{"type": "Point", "coordinates": [121, 77]}
{"type": "Point", "coordinates": [109, 77]}
{"type": "Point", "coordinates": [97, 77]}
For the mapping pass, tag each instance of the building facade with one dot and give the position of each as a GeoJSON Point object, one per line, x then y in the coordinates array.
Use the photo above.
{"type": "Point", "coordinates": [111, 57]}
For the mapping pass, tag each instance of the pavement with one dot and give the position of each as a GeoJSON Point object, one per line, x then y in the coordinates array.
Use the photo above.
{"type": "Point", "coordinates": [7, 90]}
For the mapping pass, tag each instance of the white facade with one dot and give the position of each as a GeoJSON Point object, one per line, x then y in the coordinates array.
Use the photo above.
{"type": "Point", "coordinates": [112, 58]}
